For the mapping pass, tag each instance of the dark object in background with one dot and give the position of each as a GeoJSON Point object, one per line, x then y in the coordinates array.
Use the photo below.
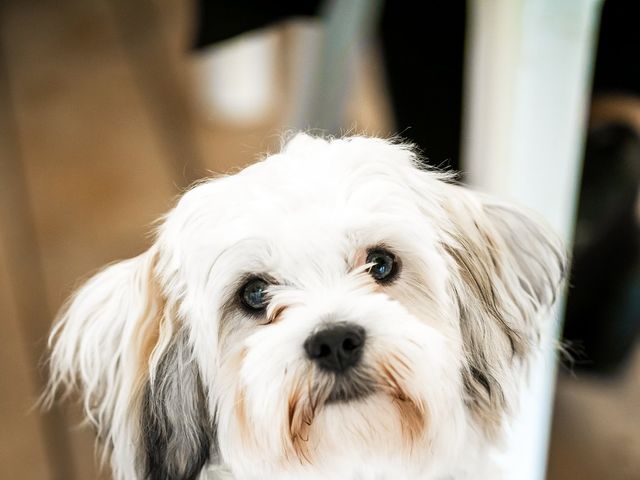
{"type": "Point", "coordinates": [603, 311]}
{"type": "Point", "coordinates": [603, 307]}
{"type": "Point", "coordinates": [217, 21]}
{"type": "Point", "coordinates": [617, 66]}
{"type": "Point", "coordinates": [423, 46]}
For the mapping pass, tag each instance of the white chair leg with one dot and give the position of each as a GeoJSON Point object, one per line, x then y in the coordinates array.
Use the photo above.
{"type": "Point", "coordinates": [528, 77]}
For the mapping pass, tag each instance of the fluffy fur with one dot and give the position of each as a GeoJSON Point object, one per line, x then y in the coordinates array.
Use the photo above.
{"type": "Point", "coordinates": [182, 382]}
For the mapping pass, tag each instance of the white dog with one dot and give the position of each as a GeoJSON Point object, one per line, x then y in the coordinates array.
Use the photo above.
{"type": "Point", "coordinates": [335, 311]}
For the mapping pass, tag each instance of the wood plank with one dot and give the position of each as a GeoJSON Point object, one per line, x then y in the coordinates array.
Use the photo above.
{"type": "Point", "coordinates": [25, 308]}
{"type": "Point", "coordinates": [95, 174]}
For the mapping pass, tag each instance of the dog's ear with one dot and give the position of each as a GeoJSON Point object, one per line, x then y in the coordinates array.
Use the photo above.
{"type": "Point", "coordinates": [508, 269]}
{"type": "Point", "coordinates": [116, 342]}
{"type": "Point", "coordinates": [177, 434]}
{"type": "Point", "coordinates": [100, 347]}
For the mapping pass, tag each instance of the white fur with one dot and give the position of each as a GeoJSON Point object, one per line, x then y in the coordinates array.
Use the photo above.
{"type": "Point", "coordinates": [158, 338]}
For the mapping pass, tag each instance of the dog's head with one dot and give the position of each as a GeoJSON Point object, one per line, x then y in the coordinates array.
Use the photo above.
{"type": "Point", "coordinates": [332, 301]}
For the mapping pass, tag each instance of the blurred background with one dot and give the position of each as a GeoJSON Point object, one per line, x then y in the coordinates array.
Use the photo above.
{"type": "Point", "coordinates": [110, 108]}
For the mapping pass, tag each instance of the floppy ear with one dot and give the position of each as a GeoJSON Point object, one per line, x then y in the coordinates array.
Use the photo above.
{"type": "Point", "coordinates": [116, 342]}
{"type": "Point", "coordinates": [508, 269]}
{"type": "Point", "coordinates": [177, 433]}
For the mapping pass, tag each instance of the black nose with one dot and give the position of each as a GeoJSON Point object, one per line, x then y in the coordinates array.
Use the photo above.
{"type": "Point", "coordinates": [337, 347]}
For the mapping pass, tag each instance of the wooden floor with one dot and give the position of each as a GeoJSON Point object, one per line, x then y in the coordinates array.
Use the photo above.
{"type": "Point", "coordinates": [596, 432]}
{"type": "Point", "coordinates": [98, 135]}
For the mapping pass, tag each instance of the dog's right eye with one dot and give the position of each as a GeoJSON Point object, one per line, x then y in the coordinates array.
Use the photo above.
{"type": "Point", "coordinates": [254, 294]}
{"type": "Point", "coordinates": [384, 265]}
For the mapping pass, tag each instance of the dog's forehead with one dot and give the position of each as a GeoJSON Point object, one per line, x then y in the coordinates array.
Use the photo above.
{"type": "Point", "coordinates": [312, 193]}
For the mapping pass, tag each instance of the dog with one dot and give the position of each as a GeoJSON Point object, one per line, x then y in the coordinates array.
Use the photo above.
{"type": "Point", "coordinates": [337, 310]}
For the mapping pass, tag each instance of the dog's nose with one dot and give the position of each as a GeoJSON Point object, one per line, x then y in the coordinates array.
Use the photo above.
{"type": "Point", "coordinates": [336, 348]}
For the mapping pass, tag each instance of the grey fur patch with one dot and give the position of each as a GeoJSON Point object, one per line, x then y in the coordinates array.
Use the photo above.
{"type": "Point", "coordinates": [509, 269]}
{"type": "Point", "coordinates": [177, 435]}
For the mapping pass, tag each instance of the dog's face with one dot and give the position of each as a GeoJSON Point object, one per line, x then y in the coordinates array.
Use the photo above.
{"type": "Point", "coordinates": [332, 310]}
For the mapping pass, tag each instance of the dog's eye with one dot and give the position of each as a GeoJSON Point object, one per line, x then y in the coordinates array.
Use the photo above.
{"type": "Point", "coordinates": [254, 294]}
{"type": "Point", "coordinates": [384, 265]}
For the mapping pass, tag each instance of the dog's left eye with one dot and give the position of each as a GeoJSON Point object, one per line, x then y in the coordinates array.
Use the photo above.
{"type": "Point", "coordinates": [254, 294]}
{"type": "Point", "coordinates": [384, 265]}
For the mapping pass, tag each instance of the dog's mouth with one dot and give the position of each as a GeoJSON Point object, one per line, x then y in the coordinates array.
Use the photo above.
{"type": "Point", "coordinates": [319, 389]}
{"type": "Point", "coordinates": [354, 386]}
